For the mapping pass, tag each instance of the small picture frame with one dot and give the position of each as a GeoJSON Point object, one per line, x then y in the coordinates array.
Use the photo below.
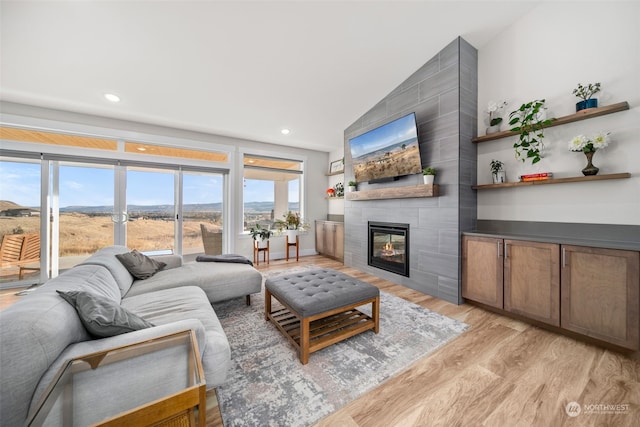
{"type": "Point", "coordinates": [336, 166]}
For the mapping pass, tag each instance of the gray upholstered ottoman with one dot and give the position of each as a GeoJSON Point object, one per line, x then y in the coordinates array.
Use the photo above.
{"type": "Point", "coordinates": [320, 308]}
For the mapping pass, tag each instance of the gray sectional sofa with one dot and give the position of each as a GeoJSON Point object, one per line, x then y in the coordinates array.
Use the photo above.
{"type": "Point", "coordinates": [42, 330]}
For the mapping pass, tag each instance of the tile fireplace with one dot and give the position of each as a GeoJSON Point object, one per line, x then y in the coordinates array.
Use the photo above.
{"type": "Point", "coordinates": [388, 247]}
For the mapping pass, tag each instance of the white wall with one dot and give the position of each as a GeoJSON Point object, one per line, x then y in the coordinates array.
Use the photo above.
{"type": "Point", "coordinates": [545, 55]}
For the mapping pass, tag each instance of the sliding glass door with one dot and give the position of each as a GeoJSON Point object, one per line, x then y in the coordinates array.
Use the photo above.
{"type": "Point", "coordinates": [83, 211]}
{"type": "Point", "coordinates": [202, 213]}
{"type": "Point", "coordinates": [151, 209]}
{"type": "Point", "coordinates": [19, 219]}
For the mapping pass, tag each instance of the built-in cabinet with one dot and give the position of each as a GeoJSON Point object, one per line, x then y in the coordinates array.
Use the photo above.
{"type": "Point", "coordinates": [330, 239]}
{"type": "Point", "coordinates": [591, 291]}
{"type": "Point", "coordinates": [600, 294]}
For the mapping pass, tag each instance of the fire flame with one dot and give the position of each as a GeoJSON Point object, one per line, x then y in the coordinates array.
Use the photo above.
{"type": "Point", "coordinates": [388, 246]}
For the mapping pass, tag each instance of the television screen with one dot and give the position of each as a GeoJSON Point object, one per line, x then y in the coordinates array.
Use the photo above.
{"type": "Point", "coordinates": [388, 151]}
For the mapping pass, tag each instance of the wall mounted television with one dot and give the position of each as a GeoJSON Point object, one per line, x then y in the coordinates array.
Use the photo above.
{"type": "Point", "coordinates": [387, 152]}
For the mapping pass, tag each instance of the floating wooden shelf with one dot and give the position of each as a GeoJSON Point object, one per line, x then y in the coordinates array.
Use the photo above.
{"type": "Point", "coordinates": [423, 190]}
{"type": "Point", "coordinates": [334, 198]}
{"type": "Point", "coordinates": [580, 115]}
{"type": "Point", "coordinates": [554, 181]}
{"type": "Point", "coordinates": [334, 173]}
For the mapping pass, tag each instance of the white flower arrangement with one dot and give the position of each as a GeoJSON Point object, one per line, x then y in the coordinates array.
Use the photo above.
{"type": "Point", "coordinates": [589, 145]}
{"type": "Point", "coordinates": [493, 108]}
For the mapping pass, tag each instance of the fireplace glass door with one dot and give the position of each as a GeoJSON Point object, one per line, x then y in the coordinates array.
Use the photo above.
{"type": "Point", "coordinates": [389, 247]}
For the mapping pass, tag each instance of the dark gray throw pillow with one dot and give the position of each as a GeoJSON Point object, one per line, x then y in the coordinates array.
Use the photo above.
{"type": "Point", "coordinates": [102, 316]}
{"type": "Point", "coordinates": [139, 265]}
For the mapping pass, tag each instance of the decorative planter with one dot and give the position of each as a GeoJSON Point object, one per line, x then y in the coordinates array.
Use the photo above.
{"type": "Point", "coordinates": [590, 169]}
{"type": "Point", "coordinates": [291, 234]}
{"type": "Point", "coordinates": [262, 243]}
{"type": "Point", "coordinates": [587, 103]}
{"type": "Point", "coordinates": [428, 179]}
{"type": "Point", "coordinates": [352, 188]}
{"type": "Point", "coordinates": [493, 129]}
{"type": "Point", "coordinates": [499, 177]}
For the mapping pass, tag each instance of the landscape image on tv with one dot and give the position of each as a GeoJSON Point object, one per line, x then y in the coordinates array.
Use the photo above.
{"type": "Point", "coordinates": [388, 151]}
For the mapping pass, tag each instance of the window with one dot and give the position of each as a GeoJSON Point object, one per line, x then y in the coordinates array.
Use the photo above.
{"type": "Point", "coordinates": [272, 187]}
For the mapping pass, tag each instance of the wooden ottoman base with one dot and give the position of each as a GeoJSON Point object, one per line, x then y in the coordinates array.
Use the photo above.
{"type": "Point", "coordinates": [313, 333]}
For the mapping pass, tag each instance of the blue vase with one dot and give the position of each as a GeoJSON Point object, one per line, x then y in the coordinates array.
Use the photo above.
{"type": "Point", "coordinates": [587, 103]}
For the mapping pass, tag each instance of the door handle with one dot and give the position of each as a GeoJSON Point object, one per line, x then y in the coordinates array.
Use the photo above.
{"type": "Point", "coordinates": [120, 218]}
{"type": "Point", "coordinates": [499, 245]}
{"type": "Point", "coordinates": [564, 257]}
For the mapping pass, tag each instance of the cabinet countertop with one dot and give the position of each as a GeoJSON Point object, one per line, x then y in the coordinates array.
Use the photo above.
{"type": "Point", "coordinates": [565, 240]}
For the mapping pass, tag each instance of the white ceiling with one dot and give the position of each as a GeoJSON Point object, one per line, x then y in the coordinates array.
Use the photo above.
{"type": "Point", "coordinates": [242, 69]}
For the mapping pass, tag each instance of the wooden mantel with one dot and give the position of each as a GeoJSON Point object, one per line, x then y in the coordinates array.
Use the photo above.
{"type": "Point", "coordinates": [422, 190]}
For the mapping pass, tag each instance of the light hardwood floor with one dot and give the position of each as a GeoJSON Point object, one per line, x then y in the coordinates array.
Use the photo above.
{"type": "Point", "coordinates": [501, 372]}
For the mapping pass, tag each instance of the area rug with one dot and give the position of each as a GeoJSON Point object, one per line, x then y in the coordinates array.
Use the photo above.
{"type": "Point", "coordinates": [268, 386]}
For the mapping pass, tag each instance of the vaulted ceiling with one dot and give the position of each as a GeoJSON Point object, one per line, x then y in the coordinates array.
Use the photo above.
{"type": "Point", "coordinates": [241, 69]}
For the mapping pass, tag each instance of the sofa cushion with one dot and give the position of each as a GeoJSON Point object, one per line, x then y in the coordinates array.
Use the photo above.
{"type": "Point", "coordinates": [106, 258]}
{"type": "Point", "coordinates": [188, 302]}
{"type": "Point", "coordinates": [33, 333]}
{"type": "Point", "coordinates": [101, 316]}
{"type": "Point", "coordinates": [220, 281]}
{"type": "Point", "coordinates": [139, 265]}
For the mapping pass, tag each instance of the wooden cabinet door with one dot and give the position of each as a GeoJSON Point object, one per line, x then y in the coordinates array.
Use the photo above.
{"type": "Point", "coordinates": [320, 237]}
{"type": "Point", "coordinates": [600, 294]}
{"type": "Point", "coordinates": [532, 280]}
{"type": "Point", "coordinates": [482, 270]}
{"type": "Point", "coordinates": [329, 239]}
{"type": "Point", "coordinates": [339, 241]}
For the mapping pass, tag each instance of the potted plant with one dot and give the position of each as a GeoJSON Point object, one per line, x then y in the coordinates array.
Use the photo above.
{"type": "Point", "coordinates": [497, 172]}
{"type": "Point", "coordinates": [589, 146]}
{"type": "Point", "coordinates": [586, 92]}
{"type": "Point", "coordinates": [291, 223]}
{"type": "Point", "coordinates": [260, 235]}
{"type": "Point", "coordinates": [353, 186]}
{"type": "Point", "coordinates": [529, 121]}
{"type": "Point", "coordinates": [493, 109]}
{"type": "Point", "coordinates": [428, 174]}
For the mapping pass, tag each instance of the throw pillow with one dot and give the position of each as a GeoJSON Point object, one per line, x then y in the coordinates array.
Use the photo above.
{"type": "Point", "coordinates": [139, 265]}
{"type": "Point", "coordinates": [102, 316]}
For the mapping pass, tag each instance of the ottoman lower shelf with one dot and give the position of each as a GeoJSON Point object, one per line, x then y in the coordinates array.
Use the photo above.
{"type": "Point", "coordinates": [310, 334]}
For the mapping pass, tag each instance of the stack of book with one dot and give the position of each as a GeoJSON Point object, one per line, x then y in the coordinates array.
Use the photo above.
{"type": "Point", "coordinates": [541, 176]}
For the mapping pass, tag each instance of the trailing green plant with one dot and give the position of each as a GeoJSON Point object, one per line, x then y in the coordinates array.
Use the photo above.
{"type": "Point", "coordinates": [258, 232]}
{"type": "Point", "coordinates": [429, 171]}
{"type": "Point", "coordinates": [496, 166]}
{"type": "Point", "coordinates": [525, 120]}
{"type": "Point", "coordinates": [586, 92]}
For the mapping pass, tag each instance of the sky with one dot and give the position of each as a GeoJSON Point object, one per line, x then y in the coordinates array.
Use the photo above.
{"type": "Point", "coordinates": [82, 186]}
{"type": "Point", "coordinates": [383, 136]}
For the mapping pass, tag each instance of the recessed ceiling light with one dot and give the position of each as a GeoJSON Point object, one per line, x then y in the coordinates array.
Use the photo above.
{"type": "Point", "coordinates": [111, 97]}
{"type": "Point", "coordinates": [285, 131]}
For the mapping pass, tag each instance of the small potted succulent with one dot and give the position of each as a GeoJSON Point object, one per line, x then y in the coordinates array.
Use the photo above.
{"type": "Point", "coordinates": [428, 174]}
{"type": "Point", "coordinates": [585, 93]}
{"type": "Point", "coordinates": [497, 172]}
{"type": "Point", "coordinates": [260, 235]}
{"type": "Point", "coordinates": [353, 186]}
